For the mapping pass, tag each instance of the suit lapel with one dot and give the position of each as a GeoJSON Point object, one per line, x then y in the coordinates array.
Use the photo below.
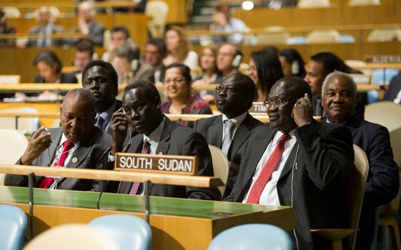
{"type": "Point", "coordinates": [290, 161]}
{"type": "Point", "coordinates": [164, 143]}
{"type": "Point", "coordinates": [216, 128]}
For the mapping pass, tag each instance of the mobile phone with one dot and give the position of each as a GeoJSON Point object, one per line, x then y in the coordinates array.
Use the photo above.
{"type": "Point", "coordinates": [45, 131]}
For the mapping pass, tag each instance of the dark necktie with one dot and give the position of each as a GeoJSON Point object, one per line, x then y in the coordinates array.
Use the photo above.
{"type": "Point", "coordinates": [228, 136]}
{"type": "Point", "coordinates": [64, 154]}
{"type": "Point", "coordinates": [267, 171]}
{"type": "Point", "coordinates": [99, 122]}
{"type": "Point", "coordinates": [145, 150]}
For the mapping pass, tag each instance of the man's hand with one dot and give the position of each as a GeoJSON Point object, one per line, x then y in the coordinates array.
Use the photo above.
{"type": "Point", "coordinates": [302, 111]}
{"type": "Point", "coordinates": [219, 19]}
{"type": "Point", "coordinates": [119, 127]}
{"type": "Point", "coordinates": [38, 143]}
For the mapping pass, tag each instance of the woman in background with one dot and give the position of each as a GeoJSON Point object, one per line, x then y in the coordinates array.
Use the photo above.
{"type": "Point", "coordinates": [178, 48]}
{"type": "Point", "coordinates": [292, 63]}
{"type": "Point", "coordinates": [264, 69]}
{"type": "Point", "coordinates": [210, 73]}
{"type": "Point", "coordinates": [181, 100]}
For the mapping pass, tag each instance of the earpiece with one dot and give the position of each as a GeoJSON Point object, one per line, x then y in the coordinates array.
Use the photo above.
{"type": "Point", "coordinates": [134, 64]}
{"type": "Point", "coordinates": [95, 56]}
{"type": "Point", "coordinates": [237, 61]}
{"type": "Point", "coordinates": [295, 67]}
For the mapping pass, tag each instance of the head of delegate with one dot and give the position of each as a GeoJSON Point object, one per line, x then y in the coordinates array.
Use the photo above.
{"type": "Point", "coordinates": [141, 110]}
{"type": "Point", "coordinates": [311, 163]}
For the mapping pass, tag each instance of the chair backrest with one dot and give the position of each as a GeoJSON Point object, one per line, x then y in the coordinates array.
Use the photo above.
{"type": "Point", "coordinates": [313, 4]}
{"type": "Point", "coordinates": [252, 236]}
{"type": "Point", "coordinates": [356, 189]}
{"type": "Point", "coordinates": [363, 2]}
{"type": "Point", "coordinates": [128, 231]}
{"type": "Point", "coordinates": [384, 35]}
{"type": "Point", "coordinates": [12, 12]}
{"type": "Point", "coordinates": [26, 125]}
{"type": "Point", "coordinates": [12, 227]}
{"type": "Point", "coordinates": [72, 236]}
{"type": "Point", "coordinates": [323, 36]}
{"type": "Point", "coordinates": [220, 166]}
{"type": "Point", "coordinates": [296, 40]}
{"type": "Point", "coordinates": [384, 76]}
{"type": "Point", "coordinates": [385, 113]}
{"type": "Point", "coordinates": [158, 10]}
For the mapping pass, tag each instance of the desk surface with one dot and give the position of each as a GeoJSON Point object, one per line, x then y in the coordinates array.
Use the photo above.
{"type": "Point", "coordinates": [177, 224]}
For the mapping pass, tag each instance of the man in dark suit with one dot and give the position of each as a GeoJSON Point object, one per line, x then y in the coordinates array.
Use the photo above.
{"type": "Point", "coordinates": [86, 24]}
{"type": "Point", "coordinates": [88, 145]}
{"type": "Point", "coordinates": [234, 99]}
{"type": "Point", "coordinates": [339, 101]}
{"type": "Point", "coordinates": [310, 168]}
{"type": "Point", "coordinates": [141, 109]}
{"type": "Point", "coordinates": [393, 94]}
{"type": "Point", "coordinates": [100, 78]}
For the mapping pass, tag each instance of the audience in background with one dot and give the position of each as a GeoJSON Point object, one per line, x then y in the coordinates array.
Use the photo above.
{"type": "Point", "coordinates": [100, 78]}
{"type": "Point", "coordinates": [141, 110]}
{"type": "Point", "coordinates": [86, 24]}
{"type": "Point", "coordinates": [311, 160]}
{"type": "Point", "coordinates": [5, 28]}
{"type": "Point", "coordinates": [85, 145]}
{"type": "Point", "coordinates": [45, 29]}
{"type": "Point", "coordinates": [223, 21]}
{"type": "Point", "coordinates": [292, 63]}
{"type": "Point", "coordinates": [229, 58]}
{"type": "Point", "coordinates": [84, 53]}
{"type": "Point", "coordinates": [119, 35]}
{"type": "Point", "coordinates": [264, 70]}
{"type": "Point", "coordinates": [234, 98]}
{"type": "Point", "coordinates": [277, 4]}
{"type": "Point", "coordinates": [181, 100]}
{"type": "Point", "coordinates": [339, 101]}
{"type": "Point", "coordinates": [319, 66]}
{"type": "Point", "coordinates": [178, 48]}
{"type": "Point", "coordinates": [393, 93]}
{"type": "Point", "coordinates": [155, 52]}
{"type": "Point", "coordinates": [210, 73]}
{"type": "Point", "coordinates": [129, 66]}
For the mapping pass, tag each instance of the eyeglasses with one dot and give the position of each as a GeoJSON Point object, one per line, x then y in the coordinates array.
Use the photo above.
{"type": "Point", "coordinates": [251, 69]}
{"type": "Point", "coordinates": [175, 80]}
{"type": "Point", "coordinates": [278, 102]}
{"type": "Point", "coordinates": [226, 89]}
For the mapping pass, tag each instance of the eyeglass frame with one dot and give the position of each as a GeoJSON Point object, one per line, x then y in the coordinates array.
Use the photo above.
{"type": "Point", "coordinates": [278, 102]}
{"type": "Point", "coordinates": [225, 89]}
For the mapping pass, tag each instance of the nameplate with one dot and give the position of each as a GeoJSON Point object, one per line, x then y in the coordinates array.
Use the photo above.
{"type": "Point", "coordinates": [9, 79]}
{"type": "Point", "coordinates": [258, 107]}
{"type": "Point", "coordinates": [383, 59]}
{"type": "Point", "coordinates": [359, 78]}
{"type": "Point", "coordinates": [172, 164]}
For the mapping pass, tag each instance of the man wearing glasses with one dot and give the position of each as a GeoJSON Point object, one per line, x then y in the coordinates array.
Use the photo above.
{"type": "Point", "coordinates": [231, 130]}
{"type": "Point", "coordinates": [297, 162]}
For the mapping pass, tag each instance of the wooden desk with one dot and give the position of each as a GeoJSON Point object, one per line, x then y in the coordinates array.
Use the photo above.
{"type": "Point", "coordinates": [176, 224]}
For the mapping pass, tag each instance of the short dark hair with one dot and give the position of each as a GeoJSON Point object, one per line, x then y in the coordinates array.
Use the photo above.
{"type": "Point", "coordinates": [85, 45]}
{"type": "Point", "coordinates": [292, 55]}
{"type": "Point", "coordinates": [130, 51]}
{"type": "Point", "coordinates": [298, 86]}
{"type": "Point", "coordinates": [50, 58]}
{"type": "Point", "coordinates": [111, 72]}
{"type": "Point", "coordinates": [122, 29]}
{"type": "Point", "coordinates": [83, 94]}
{"type": "Point", "coordinates": [159, 43]}
{"type": "Point", "coordinates": [185, 70]}
{"type": "Point", "coordinates": [150, 89]}
{"type": "Point", "coordinates": [331, 62]}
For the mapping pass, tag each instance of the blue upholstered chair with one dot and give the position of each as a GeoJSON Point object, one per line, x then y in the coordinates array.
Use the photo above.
{"type": "Point", "coordinates": [12, 227]}
{"type": "Point", "coordinates": [252, 236]}
{"type": "Point", "coordinates": [128, 231]}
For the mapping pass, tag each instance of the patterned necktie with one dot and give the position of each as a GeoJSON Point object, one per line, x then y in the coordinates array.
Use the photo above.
{"type": "Point", "coordinates": [99, 122]}
{"type": "Point", "coordinates": [228, 136]}
{"type": "Point", "coordinates": [267, 171]}
{"type": "Point", "coordinates": [64, 154]}
{"type": "Point", "coordinates": [145, 150]}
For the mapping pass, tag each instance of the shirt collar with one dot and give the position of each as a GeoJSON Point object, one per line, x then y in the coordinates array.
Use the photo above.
{"type": "Point", "coordinates": [237, 120]}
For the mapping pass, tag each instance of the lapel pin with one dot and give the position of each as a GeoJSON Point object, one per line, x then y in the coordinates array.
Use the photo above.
{"type": "Point", "coordinates": [75, 160]}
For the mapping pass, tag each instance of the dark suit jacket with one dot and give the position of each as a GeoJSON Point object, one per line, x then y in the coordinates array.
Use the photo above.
{"type": "Point", "coordinates": [65, 78]}
{"type": "Point", "coordinates": [382, 183]}
{"type": "Point", "coordinates": [312, 180]}
{"type": "Point", "coordinates": [178, 140]}
{"type": "Point", "coordinates": [212, 129]}
{"type": "Point", "coordinates": [90, 154]}
{"type": "Point", "coordinates": [393, 89]}
{"type": "Point", "coordinates": [96, 31]}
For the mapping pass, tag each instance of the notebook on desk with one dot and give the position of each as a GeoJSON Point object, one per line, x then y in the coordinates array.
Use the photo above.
{"type": "Point", "coordinates": [34, 99]}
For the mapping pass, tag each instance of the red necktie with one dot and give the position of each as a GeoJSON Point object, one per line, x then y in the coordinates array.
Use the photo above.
{"type": "Point", "coordinates": [267, 171]}
{"type": "Point", "coordinates": [48, 180]}
{"type": "Point", "coordinates": [145, 150]}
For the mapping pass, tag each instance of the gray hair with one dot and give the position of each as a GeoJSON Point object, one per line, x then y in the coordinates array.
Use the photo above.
{"type": "Point", "coordinates": [339, 73]}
